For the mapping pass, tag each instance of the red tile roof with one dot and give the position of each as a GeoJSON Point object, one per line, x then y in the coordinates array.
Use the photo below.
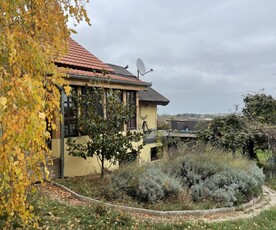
{"type": "Point", "coordinates": [81, 63]}
{"type": "Point", "coordinates": [78, 56]}
{"type": "Point", "coordinates": [108, 76]}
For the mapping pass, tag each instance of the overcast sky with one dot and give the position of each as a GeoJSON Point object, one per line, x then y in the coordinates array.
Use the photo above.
{"type": "Point", "coordinates": [205, 54]}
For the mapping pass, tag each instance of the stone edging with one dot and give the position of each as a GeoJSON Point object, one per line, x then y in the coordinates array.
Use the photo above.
{"type": "Point", "coordinates": [159, 213]}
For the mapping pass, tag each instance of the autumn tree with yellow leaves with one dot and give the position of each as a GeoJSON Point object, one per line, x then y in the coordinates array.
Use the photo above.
{"type": "Point", "coordinates": [33, 35]}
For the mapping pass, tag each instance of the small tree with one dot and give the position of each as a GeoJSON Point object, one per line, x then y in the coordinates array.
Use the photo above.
{"type": "Point", "coordinates": [252, 130]}
{"type": "Point", "coordinates": [229, 132]}
{"type": "Point", "coordinates": [260, 109]}
{"type": "Point", "coordinates": [103, 122]}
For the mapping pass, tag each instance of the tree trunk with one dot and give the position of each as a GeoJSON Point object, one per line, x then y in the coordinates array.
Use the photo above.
{"type": "Point", "coordinates": [102, 167]}
{"type": "Point", "coordinates": [250, 149]}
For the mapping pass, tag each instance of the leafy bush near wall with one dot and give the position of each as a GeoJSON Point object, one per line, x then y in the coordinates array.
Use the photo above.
{"type": "Point", "coordinates": [207, 174]}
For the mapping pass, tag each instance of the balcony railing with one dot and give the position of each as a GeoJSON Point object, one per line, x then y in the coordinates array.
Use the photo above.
{"type": "Point", "coordinates": [153, 135]}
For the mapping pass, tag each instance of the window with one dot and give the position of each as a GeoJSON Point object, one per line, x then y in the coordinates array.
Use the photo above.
{"type": "Point", "coordinates": [70, 114]}
{"type": "Point", "coordinates": [97, 96]}
{"type": "Point", "coordinates": [154, 154]}
{"type": "Point", "coordinates": [128, 158]}
{"type": "Point", "coordinates": [116, 93]}
{"type": "Point", "coordinates": [131, 101]}
{"type": "Point", "coordinates": [71, 110]}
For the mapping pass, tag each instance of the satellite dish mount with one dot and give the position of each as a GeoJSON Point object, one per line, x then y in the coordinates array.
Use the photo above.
{"type": "Point", "coordinates": [141, 69]}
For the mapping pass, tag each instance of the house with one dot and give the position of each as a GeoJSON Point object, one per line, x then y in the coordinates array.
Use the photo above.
{"type": "Point", "coordinates": [149, 99]}
{"type": "Point", "coordinates": [82, 66]}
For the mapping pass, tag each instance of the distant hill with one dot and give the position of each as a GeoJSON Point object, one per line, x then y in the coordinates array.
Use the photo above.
{"type": "Point", "coordinates": [165, 117]}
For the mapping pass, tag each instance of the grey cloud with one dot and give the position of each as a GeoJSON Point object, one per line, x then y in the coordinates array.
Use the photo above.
{"type": "Point", "coordinates": [205, 54]}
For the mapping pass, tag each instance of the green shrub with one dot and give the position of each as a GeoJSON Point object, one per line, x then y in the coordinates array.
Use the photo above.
{"type": "Point", "coordinates": [208, 174]}
{"type": "Point", "coordinates": [219, 177]}
{"type": "Point", "coordinates": [211, 189]}
{"type": "Point", "coordinates": [155, 185]}
{"type": "Point", "coordinates": [125, 179]}
{"type": "Point", "coordinates": [145, 183]}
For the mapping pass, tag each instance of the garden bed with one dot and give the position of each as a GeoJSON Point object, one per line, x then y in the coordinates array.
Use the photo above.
{"type": "Point", "coordinates": [92, 186]}
{"type": "Point", "coordinates": [58, 209]}
{"type": "Point", "coordinates": [191, 181]}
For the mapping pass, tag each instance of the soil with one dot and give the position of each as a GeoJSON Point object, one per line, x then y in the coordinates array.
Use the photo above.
{"type": "Point", "coordinates": [59, 194]}
{"type": "Point", "coordinates": [267, 201]}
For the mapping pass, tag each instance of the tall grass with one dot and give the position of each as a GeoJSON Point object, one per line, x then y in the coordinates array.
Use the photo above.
{"type": "Point", "coordinates": [219, 158]}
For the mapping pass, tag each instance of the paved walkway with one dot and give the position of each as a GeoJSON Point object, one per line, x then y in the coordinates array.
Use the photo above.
{"type": "Point", "coordinates": [267, 201]}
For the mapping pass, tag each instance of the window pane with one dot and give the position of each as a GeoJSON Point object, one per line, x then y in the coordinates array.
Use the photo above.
{"type": "Point", "coordinates": [97, 96]}
{"type": "Point", "coordinates": [70, 114]}
{"type": "Point", "coordinates": [73, 127]}
{"type": "Point", "coordinates": [66, 128]}
{"type": "Point", "coordinates": [131, 101]}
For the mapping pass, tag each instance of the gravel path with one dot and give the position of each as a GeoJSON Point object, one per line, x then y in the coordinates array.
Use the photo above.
{"type": "Point", "coordinates": [267, 201]}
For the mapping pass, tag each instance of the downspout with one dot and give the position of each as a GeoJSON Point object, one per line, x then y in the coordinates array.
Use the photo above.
{"type": "Point", "coordinates": [61, 132]}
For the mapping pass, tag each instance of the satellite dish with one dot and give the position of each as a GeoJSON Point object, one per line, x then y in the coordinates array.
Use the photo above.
{"type": "Point", "coordinates": [141, 69]}
{"type": "Point", "coordinates": [140, 66]}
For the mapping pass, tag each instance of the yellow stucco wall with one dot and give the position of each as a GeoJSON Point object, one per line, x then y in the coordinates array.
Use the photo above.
{"type": "Point", "coordinates": [76, 166]}
{"type": "Point", "coordinates": [56, 147]}
{"type": "Point", "coordinates": [145, 155]}
{"type": "Point", "coordinates": [150, 112]}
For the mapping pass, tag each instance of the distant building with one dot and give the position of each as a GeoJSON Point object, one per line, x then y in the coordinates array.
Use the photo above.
{"type": "Point", "coordinates": [189, 125]}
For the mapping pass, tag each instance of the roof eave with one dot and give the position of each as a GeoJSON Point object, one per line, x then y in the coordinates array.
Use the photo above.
{"type": "Point", "coordinates": [163, 103]}
{"type": "Point", "coordinates": [109, 80]}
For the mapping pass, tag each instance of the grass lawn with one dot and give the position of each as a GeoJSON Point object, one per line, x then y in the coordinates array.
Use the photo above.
{"type": "Point", "coordinates": [102, 218]}
{"type": "Point", "coordinates": [55, 215]}
{"type": "Point", "coordinates": [262, 156]}
{"type": "Point", "coordinates": [271, 182]}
